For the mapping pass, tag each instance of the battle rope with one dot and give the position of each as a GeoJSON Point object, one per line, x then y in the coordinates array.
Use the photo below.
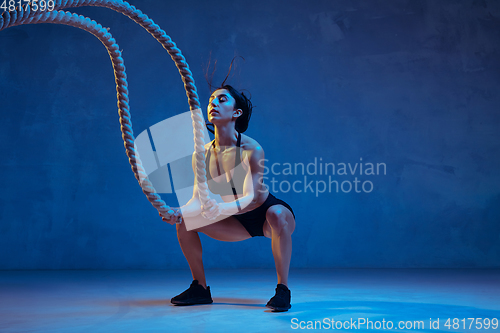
{"type": "Point", "coordinates": [27, 16]}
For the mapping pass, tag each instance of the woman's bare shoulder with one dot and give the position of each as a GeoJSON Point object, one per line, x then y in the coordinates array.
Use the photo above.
{"type": "Point", "coordinates": [248, 143]}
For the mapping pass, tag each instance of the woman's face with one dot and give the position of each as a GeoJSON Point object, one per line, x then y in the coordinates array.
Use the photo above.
{"type": "Point", "coordinates": [221, 107]}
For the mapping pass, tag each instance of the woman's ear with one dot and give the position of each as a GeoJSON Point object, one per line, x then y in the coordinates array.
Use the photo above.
{"type": "Point", "coordinates": [237, 113]}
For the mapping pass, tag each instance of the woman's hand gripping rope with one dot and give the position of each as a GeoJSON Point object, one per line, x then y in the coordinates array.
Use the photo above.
{"type": "Point", "coordinates": [175, 216]}
{"type": "Point", "coordinates": [211, 210]}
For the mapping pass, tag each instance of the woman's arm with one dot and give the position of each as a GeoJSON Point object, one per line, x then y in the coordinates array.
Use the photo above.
{"type": "Point", "coordinates": [193, 206]}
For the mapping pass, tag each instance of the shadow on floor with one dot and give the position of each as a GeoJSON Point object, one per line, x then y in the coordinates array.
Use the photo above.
{"type": "Point", "coordinates": [244, 302]}
{"type": "Point", "coordinates": [239, 302]}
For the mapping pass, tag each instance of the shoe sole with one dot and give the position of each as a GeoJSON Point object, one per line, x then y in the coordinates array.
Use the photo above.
{"type": "Point", "coordinates": [192, 302]}
{"type": "Point", "coordinates": [278, 309]}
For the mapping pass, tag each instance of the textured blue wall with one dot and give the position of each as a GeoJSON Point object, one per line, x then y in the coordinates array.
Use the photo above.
{"type": "Point", "coordinates": [412, 84]}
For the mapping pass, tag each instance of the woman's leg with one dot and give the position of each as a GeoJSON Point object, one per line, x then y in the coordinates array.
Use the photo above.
{"type": "Point", "coordinates": [279, 226]}
{"type": "Point", "coordinates": [229, 230]}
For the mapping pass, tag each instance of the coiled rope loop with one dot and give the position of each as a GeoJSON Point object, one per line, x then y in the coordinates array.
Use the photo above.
{"type": "Point", "coordinates": [25, 15]}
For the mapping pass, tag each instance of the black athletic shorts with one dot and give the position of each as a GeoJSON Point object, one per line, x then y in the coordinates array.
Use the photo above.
{"type": "Point", "coordinates": [254, 220]}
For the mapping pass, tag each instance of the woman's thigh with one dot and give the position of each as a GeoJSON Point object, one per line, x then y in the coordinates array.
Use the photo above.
{"type": "Point", "coordinates": [227, 230]}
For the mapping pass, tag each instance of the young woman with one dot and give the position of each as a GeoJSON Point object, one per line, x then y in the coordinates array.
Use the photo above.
{"type": "Point", "coordinates": [234, 166]}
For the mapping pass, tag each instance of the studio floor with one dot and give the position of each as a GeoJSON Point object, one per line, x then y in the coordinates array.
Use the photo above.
{"type": "Point", "coordinates": [139, 301]}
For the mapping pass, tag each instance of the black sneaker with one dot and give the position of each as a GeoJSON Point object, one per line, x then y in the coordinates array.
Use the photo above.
{"type": "Point", "coordinates": [280, 301]}
{"type": "Point", "coordinates": [195, 294]}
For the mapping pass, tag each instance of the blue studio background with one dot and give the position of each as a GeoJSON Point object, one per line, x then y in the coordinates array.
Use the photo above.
{"type": "Point", "coordinates": [411, 84]}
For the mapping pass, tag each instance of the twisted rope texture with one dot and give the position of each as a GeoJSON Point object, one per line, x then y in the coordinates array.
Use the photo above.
{"type": "Point", "coordinates": [26, 16]}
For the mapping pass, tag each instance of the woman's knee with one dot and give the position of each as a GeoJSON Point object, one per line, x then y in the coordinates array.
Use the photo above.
{"type": "Point", "coordinates": [276, 216]}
